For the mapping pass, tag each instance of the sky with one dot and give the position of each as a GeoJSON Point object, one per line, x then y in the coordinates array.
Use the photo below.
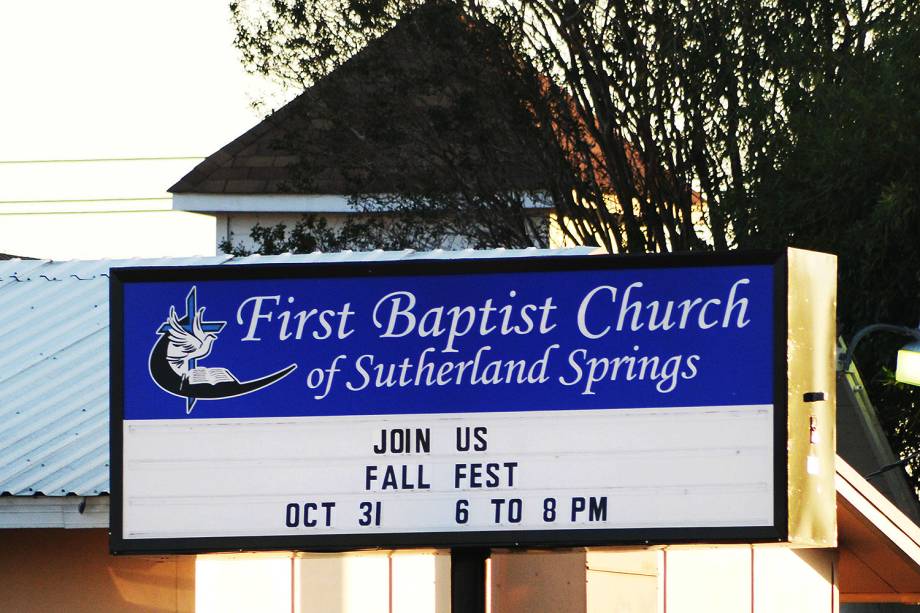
{"type": "Point", "coordinates": [89, 91]}
{"type": "Point", "coordinates": [120, 78]}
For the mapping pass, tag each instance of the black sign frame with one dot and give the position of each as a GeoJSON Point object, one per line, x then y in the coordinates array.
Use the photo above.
{"type": "Point", "coordinates": [560, 538]}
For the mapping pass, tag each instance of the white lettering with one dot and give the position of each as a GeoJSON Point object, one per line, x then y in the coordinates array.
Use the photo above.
{"type": "Point", "coordinates": [397, 310]}
{"type": "Point", "coordinates": [583, 309]}
{"type": "Point", "coordinates": [742, 305]}
{"type": "Point", "coordinates": [256, 314]}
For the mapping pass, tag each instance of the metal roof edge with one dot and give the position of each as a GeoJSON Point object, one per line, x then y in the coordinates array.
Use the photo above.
{"type": "Point", "coordinates": [877, 509]}
{"type": "Point", "coordinates": [203, 202]}
{"type": "Point", "coordinates": [54, 512]}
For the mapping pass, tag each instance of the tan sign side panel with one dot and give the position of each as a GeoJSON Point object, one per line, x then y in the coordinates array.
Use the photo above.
{"type": "Point", "coordinates": [812, 307]}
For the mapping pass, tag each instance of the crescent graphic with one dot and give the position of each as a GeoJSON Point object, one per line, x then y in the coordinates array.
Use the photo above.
{"type": "Point", "coordinates": [169, 381]}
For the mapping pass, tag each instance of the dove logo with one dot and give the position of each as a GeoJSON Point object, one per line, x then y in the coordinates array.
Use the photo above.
{"type": "Point", "coordinates": [183, 340]}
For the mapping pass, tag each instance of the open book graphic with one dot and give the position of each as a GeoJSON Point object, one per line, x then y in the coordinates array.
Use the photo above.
{"type": "Point", "coordinates": [211, 376]}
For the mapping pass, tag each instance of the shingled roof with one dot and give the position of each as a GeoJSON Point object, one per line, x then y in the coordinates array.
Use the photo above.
{"type": "Point", "coordinates": [430, 99]}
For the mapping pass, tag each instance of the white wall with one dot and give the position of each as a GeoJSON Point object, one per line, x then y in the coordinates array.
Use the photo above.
{"type": "Point", "coordinates": [710, 579]}
{"type": "Point", "coordinates": [237, 226]}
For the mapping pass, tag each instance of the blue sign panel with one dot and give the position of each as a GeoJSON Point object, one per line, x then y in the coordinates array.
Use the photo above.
{"type": "Point", "coordinates": [476, 342]}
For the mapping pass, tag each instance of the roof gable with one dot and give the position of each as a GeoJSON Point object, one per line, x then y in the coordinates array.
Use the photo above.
{"type": "Point", "coordinates": [428, 103]}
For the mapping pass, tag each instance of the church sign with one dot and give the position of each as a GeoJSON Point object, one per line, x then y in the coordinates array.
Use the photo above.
{"type": "Point", "coordinates": [543, 401]}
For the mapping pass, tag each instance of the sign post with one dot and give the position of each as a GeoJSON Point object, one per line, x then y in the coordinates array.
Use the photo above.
{"type": "Point", "coordinates": [530, 402]}
{"type": "Point", "coordinates": [468, 579]}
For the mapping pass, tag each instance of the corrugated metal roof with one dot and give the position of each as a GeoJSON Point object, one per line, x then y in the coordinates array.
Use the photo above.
{"type": "Point", "coordinates": [54, 362]}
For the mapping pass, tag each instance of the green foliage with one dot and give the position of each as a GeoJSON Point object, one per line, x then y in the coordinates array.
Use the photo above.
{"type": "Point", "coordinates": [675, 108]}
{"type": "Point", "coordinates": [849, 184]}
{"type": "Point", "coordinates": [314, 233]}
{"type": "Point", "coordinates": [713, 124]}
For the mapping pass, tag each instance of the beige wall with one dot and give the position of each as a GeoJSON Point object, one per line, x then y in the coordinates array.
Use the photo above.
{"type": "Point", "coordinates": [740, 579]}
{"type": "Point", "coordinates": [71, 570]}
{"type": "Point", "coordinates": [730, 579]}
{"type": "Point", "coordinates": [284, 582]}
{"type": "Point", "coordinates": [623, 581]}
{"type": "Point", "coordinates": [538, 581]}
